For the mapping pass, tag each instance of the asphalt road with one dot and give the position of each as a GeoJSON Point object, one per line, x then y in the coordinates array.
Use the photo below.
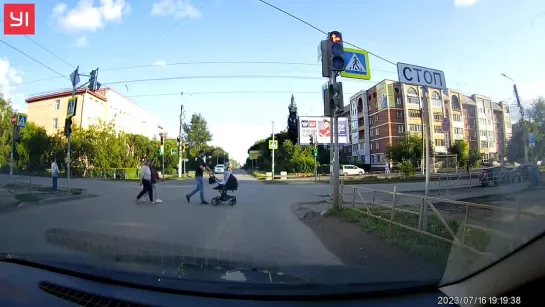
{"type": "Point", "coordinates": [262, 224]}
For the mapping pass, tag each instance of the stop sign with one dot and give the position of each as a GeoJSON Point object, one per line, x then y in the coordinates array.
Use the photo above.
{"type": "Point", "coordinates": [14, 120]}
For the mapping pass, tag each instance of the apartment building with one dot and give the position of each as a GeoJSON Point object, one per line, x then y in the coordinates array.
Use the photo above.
{"type": "Point", "coordinates": [49, 111]}
{"type": "Point", "coordinates": [383, 114]}
{"type": "Point", "coordinates": [359, 124]}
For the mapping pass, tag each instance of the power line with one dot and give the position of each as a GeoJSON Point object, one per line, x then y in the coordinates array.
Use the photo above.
{"type": "Point", "coordinates": [229, 92]}
{"type": "Point", "coordinates": [170, 28]}
{"type": "Point", "coordinates": [47, 50]}
{"type": "Point", "coordinates": [322, 31]}
{"type": "Point", "coordinates": [33, 59]}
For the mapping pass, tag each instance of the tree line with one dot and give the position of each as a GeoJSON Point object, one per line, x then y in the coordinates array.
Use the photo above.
{"type": "Point", "coordinates": [99, 149]}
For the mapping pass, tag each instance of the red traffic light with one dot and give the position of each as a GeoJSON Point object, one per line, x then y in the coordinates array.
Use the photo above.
{"type": "Point", "coordinates": [335, 37]}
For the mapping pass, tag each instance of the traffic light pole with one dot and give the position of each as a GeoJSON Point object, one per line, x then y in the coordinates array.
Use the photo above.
{"type": "Point", "coordinates": [272, 153]}
{"type": "Point", "coordinates": [427, 141]}
{"type": "Point", "coordinates": [315, 157]}
{"type": "Point", "coordinates": [180, 139]}
{"type": "Point", "coordinates": [12, 153]}
{"type": "Point", "coordinates": [69, 141]}
{"type": "Point", "coordinates": [335, 134]}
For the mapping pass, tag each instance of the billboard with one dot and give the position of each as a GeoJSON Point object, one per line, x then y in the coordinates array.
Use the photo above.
{"type": "Point", "coordinates": [321, 126]}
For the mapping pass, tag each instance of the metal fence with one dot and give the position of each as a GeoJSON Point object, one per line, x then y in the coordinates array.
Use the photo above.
{"type": "Point", "coordinates": [458, 219]}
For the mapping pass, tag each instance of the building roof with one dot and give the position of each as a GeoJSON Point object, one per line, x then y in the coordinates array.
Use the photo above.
{"type": "Point", "coordinates": [467, 100]}
{"type": "Point", "coordinates": [64, 93]}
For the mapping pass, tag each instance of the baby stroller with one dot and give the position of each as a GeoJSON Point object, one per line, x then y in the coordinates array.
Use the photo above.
{"type": "Point", "coordinates": [230, 185]}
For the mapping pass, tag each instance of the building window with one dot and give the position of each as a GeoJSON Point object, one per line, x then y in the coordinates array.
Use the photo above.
{"type": "Point", "coordinates": [458, 131]}
{"type": "Point", "coordinates": [55, 123]}
{"type": "Point", "coordinates": [414, 113]}
{"type": "Point", "coordinates": [439, 142]}
{"type": "Point", "coordinates": [436, 100]}
{"type": "Point", "coordinates": [376, 131]}
{"type": "Point", "coordinates": [415, 128]}
{"type": "Point", "coordinates": [371, 144]}
{"type": "Point", "coordinates": [437, 129]}
{"type": "Point", "coordinates": [438, 117]}
{"type": "Point", "coordinates": [400, 129]}
{"type": "Point", "coordinates": [377, 145]}
{"type": "Point", "coordinates": [377, 118]}
{"type": "Point", "coordinates": [456, 118]}
{"type": "Point", "coordinates": [399, 114]}
{"type": "Point", "coordinates": [455, 103]}
{"type": "Point", "coordinates": [483, 121]}
{"type": "Point", "coordinates": [412, 96]}
{"type": "Point", "coordinates": [482, 132]}
{"type": "Point", "coordinates": [57, 105]}
{"type": "Point", "coordinates": [484, 144]}
{"type": "Point", "coordinates": [489, 122]}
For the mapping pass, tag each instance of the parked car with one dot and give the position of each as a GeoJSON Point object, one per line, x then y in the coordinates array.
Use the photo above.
{"type": "Point", "coordinates": [351, 170]}
{"type": "Point", "coordinates": [219, 169]}
{"type": "Point", "coordinates": [493, 176]}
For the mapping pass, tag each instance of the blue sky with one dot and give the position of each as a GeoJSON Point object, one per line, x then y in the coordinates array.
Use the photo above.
{"type": "Point", "coordinates": [472, 41]}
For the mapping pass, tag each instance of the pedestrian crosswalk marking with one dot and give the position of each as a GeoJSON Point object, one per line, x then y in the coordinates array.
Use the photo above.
{"type": "Point", "coordinates": [355, 65]}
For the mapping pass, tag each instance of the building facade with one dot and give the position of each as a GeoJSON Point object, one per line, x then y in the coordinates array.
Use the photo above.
{"type": "Point", "coordinates": [106, 105]}
{"type": "Point", "coordinates": [384, 113]}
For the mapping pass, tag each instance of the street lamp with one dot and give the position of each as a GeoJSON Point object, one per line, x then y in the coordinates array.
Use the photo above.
{"type": "Point", "coordinates": [521, 124]}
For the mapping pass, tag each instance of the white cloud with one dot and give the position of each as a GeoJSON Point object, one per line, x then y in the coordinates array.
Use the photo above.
{"type": "Point", "coordinates": [81, 41]}
{"type": "Point", "coordinates": [177, 8]}
{"type": "Point", "coordinates": [8, 77]}
{"type": "Point", "coordinates": [85, 16]}
{"type": "Point", "coordinates": [464, 3]}
{"type": "Point", "coordinates": [160, 63]}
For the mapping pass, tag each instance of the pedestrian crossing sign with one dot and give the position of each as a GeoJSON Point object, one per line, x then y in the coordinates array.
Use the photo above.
{"type": "Point", "coordinates": [21, 120]}
{"type": "Point", "coordinates": [273, 144]}
{"type": "Point", "coordinates": [356, 64]}
{"type": "Point", "coordinates": [72, 106]}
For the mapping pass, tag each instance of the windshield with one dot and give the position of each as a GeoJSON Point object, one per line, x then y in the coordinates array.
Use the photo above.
{"type": "Point", "coordinates": [403, 148]}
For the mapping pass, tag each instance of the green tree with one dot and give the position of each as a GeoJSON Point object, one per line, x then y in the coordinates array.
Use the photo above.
{"type": "Point", "coordinates": [197, 134]}
{"type": "Point", "coordinates": [6, 130]}
{"type": "Point", "coordinates": [461, 149]}
{"type": "Point", "coordinates": [408, 148]}
{"type": "Point", "coordinates": [34, 151]}
{"type": "Point", "coordinates": [293, 131]}
{"type": "Point", "coordinates": [474, 158]}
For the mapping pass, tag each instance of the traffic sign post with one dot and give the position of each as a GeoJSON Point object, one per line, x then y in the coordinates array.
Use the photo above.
{"type": "Point", "coordinates": [426, 78]}
{"type": "Point", "coordinates": [273, 144]}
{"type": "Point", "coordinates": [531, 139]}
{"type": "Point", "coordinates": [356, 64]}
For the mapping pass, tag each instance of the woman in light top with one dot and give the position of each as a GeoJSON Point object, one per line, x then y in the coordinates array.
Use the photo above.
{"type": "Point", "coordinates": [145, 182]}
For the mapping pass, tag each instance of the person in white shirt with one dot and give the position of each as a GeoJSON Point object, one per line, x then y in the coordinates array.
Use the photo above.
{"type": "Point", "coordinates": [145, 182]}
{"type": "Point", "coordinates": [55, 173]}
{"type": "Point", "coordinates": [226, 174]}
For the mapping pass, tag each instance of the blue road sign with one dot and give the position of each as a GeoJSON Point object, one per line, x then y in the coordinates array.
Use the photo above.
{"type": "Point", "coordinates": [21, 120]}
{"type": "Point", "coordinates": [532, 139]}
{"type": "Point", "coordinates": [356, 64]}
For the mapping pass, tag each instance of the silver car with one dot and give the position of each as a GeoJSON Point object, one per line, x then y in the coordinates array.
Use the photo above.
{"type": "Point", "coordinates": [219, 169]}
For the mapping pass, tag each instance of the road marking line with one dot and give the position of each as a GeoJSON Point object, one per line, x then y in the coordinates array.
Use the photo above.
{"type": "Point", "coordinates": [128, 224]}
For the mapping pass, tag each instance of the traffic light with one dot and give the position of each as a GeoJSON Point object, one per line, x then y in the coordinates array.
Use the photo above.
{"type": "Point", "coordinates": [162, 139]}
{"type": "Point", "coordinates": [336, 51]}
{"type": "Point", "coordinates": [336, 101]}
{"type": "Point", "coordinates": [68, 126]}
{"type": "Point", "coordinates": [94, 85]}
{"type": "Point", "coordinates": [311, 140]}
{"type": "Point", "coordinates": [17, 134]}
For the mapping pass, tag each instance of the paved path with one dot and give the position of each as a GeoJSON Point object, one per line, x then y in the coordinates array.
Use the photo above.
{"type": "Point", "coordinates": [262, 224]}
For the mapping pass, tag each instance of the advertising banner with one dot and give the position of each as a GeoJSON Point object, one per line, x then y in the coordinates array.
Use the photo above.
{"type": "Point", "coordinates": [321, 127]}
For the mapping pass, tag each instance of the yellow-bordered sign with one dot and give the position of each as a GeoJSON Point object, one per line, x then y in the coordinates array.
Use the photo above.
{"type": "Point", "coordinates": [72, 107]}
{"type": "Point", "coordinates": [356, 64]}
{"type": "Point", "coordinates": [273, 144]}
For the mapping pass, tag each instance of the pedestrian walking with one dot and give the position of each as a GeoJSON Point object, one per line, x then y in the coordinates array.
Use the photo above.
{"type": "Point", "coordinates": [154, 179]}
{"type": "Point", "coordinates": [145, 182]}
{"type": "Point", "coordinates": [199, 172]}
{"type": "Point", "coordinates": [387, 168]}
{"type": "Point", "coordinates": [55, 173]}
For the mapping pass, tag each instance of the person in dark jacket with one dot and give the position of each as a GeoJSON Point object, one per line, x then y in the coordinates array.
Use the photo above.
{"type": "Point", "coordinates": [154, 179]}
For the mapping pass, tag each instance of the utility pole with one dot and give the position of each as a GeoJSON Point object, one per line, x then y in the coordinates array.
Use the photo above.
{"type": "Point", "coordinates": [180, 140]}
{"type": "Point", "coordinates": [333, 62]}
{"type": "Point", "coordinates": [523, 127]}
{"type": "Point", "coordinates": [315, 154]}
{"type": "Point", "coordinates": [427, 157]}
{"type": "Point", "coordinates": [272, 151]}
{"type": "Point", "coordinates": [12, 153]}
